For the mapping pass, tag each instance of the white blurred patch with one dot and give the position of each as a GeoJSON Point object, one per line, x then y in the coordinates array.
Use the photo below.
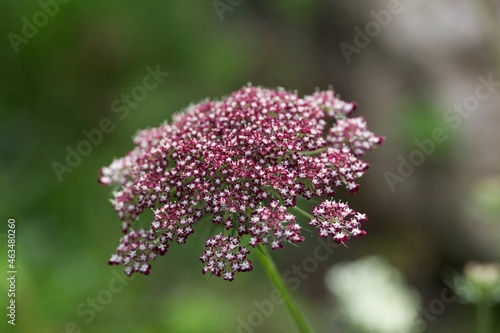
{"type": "Point", "coordinates": [372, 296]}
{"type": "Point", "coordinates": [434, 26]}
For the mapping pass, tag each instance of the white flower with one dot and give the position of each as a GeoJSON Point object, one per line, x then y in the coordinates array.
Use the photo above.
{"type": "Point", "coordinates": [372, 296]}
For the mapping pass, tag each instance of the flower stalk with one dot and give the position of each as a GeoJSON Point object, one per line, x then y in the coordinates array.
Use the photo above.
{"type": "Point", "coordinates": [483, 308]}
{"type": "Point", "coordinates": [483, 280]}
{"type": "Point", "coordinates": [302, 212]}
{"type": "Point", "coordinates": [275, 277]}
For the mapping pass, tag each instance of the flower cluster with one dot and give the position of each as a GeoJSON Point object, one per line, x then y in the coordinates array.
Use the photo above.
{"type": "Point", "coordinates": [272, 225]}
{"type": "Point", "coordinates": [242, 162]}
{"type": "Point", "coordinates": [336, 219]}
{"type": "Point", "coordinates": [224, 257]}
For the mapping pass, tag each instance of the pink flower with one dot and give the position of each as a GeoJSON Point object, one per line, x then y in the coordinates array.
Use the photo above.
{"type": "Point", "coordinates": [337, 220]}
{"type": "Point", "coordinates": [242, 162]}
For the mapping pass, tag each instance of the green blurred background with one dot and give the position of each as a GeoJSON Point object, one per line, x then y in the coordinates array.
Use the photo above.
{"type": "Point", "coordinates": [64, 79]}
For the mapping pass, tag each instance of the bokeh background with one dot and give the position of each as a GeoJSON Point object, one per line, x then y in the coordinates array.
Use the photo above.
{"type": "Point", "coordinates": [427, 226]}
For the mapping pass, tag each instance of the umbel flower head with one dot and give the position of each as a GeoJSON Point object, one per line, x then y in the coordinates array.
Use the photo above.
{"type": "Point", "coordinates": [240, 162]}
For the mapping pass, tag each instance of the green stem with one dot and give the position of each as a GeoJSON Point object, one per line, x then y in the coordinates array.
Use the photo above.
{"type": "Point", "coordinates": [484, 315]}
{"type": "Point", "coordinates": [313, 152]}
{"type": "Point", "coordinates": [302, 212]}
{"type": "Point", "coordinates": [273, 273]}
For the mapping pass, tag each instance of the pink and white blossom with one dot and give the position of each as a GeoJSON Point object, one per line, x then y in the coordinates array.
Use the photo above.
{"type": "Point", "coordinates": [242, 162]}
